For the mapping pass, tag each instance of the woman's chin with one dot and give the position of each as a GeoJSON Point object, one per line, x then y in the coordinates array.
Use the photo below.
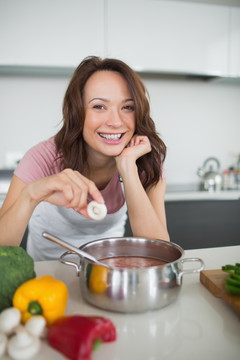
{"type": "Point", "coordinates": [113, 151]}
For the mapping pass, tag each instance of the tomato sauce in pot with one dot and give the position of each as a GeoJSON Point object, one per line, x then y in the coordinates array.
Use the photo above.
{"type": "Point", "coordinates": [132, 262]}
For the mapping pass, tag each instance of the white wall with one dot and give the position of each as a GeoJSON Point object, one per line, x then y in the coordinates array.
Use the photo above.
{"type": "Point", "coordinates": [30, 111]}
{"type": "Point", "coordinates": [196, 119]}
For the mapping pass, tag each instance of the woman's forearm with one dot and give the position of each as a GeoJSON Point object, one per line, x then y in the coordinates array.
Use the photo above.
{"type": "Point", "coordinates": [144, 219]}
{"type": "Point", "coordinates": [68, 188]}
{"type": "Point", "coordinates": [14, 220]}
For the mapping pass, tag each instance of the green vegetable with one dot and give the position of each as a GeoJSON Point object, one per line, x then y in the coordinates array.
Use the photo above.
{"type": "Point", "coordinates": [232, 282]}
{"type": "Point", "coordinates": [233, 289]}
{"type": "Point", "coordinates": [232, 269]}
{"type": "Point", "coordinates": [16, 267]}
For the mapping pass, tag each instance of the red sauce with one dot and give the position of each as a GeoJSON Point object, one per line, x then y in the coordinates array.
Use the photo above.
{"type": "Point", "coordinates": [132, 262]}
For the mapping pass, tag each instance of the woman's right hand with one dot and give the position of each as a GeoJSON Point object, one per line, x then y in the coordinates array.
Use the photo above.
{"type": "Point", "coordinates": [68, 188]}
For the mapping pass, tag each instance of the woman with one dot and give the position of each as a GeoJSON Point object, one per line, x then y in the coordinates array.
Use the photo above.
{"type": "Point", "coordinates": [107, 151]}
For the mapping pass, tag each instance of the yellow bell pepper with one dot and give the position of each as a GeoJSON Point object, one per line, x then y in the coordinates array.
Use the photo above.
{"type": "Point", "coordinates": [98, 279]}
{"type": "Point", "coordinates": [44, 296]}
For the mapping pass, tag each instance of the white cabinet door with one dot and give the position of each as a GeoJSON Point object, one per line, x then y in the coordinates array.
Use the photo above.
{"type": "Point", "coordinates": [234, 68]}
{"type": "Point", "coordinates": [168, 36]}
{"type": "Point", "coordinates": [50, 32]}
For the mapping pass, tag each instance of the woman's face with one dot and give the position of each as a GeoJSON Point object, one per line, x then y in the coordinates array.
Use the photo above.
{"type": "Point", "coordinates": [109, 113]}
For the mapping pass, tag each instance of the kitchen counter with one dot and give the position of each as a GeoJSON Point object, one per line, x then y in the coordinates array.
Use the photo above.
{"type": "Point", "coordinates": [202, 195]}
{"type": "Point", "coordinates": [186, 195]}
{"type": "Point", "coordinates": [197, 325]}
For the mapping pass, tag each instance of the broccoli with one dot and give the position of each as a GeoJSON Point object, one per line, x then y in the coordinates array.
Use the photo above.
{"type": "Point", "coordinates": [16, 267]}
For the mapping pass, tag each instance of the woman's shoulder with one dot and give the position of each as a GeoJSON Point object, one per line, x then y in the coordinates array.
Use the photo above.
{"type": "Point", "coordinates": [44, 151]}
{"type": "Point", "coordinates": [47, 147]}
{"type": "Point", "coordinates": [38, 162]}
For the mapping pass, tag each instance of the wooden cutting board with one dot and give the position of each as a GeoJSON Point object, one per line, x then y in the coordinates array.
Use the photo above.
{"type": "Point", "coordinates": [213, 280]}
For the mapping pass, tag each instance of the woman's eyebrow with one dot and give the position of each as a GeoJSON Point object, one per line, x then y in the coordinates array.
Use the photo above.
{"type": "Point", "coordinates": [106, 100]}
{"type": "Point", "coordinates": [129, 99]}
{"type": "Point", "coordinates": [98, 98]}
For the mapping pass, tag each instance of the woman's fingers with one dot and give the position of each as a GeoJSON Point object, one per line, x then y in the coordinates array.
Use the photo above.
{"type": "Point", "coordinates": [87, 187]}
{"type": "Point", "coordinates": [81, 189]}
{"type": "Point", "coordinates": [94, 192]}
{"type": "Point", "coordinates": [137, 147]}
{"type": "Point", "coordinates": [68, 188]}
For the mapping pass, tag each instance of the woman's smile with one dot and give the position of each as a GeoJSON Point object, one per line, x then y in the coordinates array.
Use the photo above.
{"type": "Point", "coordinates": [111, 138]}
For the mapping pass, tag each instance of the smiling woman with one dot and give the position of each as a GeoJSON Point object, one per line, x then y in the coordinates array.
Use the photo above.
{"type": "Point", "coordinates": [109, 119]}
{"type": "Point", "coordinates": [107, 134]}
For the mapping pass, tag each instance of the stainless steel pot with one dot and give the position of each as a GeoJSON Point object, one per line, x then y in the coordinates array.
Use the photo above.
{"type": "Point", "coordinates": [129, 290]}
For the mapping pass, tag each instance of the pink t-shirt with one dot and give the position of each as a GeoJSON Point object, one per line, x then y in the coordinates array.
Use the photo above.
{"type": "Point", "coordinates": [40, 161]}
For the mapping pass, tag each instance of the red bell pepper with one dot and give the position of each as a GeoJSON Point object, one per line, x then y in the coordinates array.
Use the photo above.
{"type": "Point", "coordinates": [74, 336]}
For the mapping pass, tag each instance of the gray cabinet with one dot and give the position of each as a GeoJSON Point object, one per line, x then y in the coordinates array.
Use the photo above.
{"type": "Point", "coordinates": [203, 224]}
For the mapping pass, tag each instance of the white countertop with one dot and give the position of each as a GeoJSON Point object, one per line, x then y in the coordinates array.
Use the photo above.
{"type": "Point", "coordinates": [187, 196]}
{"type": "Point", "coordinates": [202, 195]}
{"type": "Point", "coordinates": [196, 326]}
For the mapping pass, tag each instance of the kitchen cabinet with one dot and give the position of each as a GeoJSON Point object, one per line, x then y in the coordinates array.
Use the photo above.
{"type": "Point", "coordinates": [197, 224]}
{"type": "Point", "coordinates": [203, 224]}
{"type": "Point", "coordinates": [50, 33]}
{"type": "Point", "coordinates": [234, 68]}
{"type": "Point", "coordinates": [168, 36]}
{"type": "Point", "coordinates": [158, 36]}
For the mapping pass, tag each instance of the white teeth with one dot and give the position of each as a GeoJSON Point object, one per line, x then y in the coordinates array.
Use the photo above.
{"type": "Point", "coordinates": [111, 136]}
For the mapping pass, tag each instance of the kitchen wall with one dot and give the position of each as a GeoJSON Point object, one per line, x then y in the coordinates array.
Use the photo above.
{"type": "Point", "coordinates": [196, 118]}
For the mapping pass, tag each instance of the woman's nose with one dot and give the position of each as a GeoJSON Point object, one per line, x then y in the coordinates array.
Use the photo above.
{"type": "Point", "coordinates": [114, 119]}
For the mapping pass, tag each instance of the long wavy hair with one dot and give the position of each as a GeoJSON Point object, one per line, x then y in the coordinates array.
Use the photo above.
{"type": "Point", "coordinates": [69, 140]}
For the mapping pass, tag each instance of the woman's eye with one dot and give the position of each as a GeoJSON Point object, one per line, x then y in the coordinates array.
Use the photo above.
{"type": "Point", "coordinates": [100, 107]}
{"type": "Point", "coordinates": [129, 107]}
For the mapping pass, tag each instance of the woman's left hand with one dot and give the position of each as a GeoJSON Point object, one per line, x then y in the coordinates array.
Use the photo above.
{"type": "Point", "coordinates": [138, 146]}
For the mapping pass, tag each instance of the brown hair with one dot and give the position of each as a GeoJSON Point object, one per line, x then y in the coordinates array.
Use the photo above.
{"type": "Point", "coordinates": [69, 140]}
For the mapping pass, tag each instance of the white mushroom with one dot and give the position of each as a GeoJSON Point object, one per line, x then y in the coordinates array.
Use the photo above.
{"type": "Point", "coordinates": [9, 320]}
{"type": "Point", "coordinates": [23, 345]}
{"type": "Point", "coordinates": [3, 343]}
{"type": "Point", "coordinates": [36, 326]}
{"type": "Point", "coordinates": [96, 211]}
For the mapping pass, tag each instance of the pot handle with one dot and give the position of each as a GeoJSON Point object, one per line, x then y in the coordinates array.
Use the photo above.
{"type": "Point", "coordinates": [189, 271]}
{"type": "Point", "coordinates": [71, 263]}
